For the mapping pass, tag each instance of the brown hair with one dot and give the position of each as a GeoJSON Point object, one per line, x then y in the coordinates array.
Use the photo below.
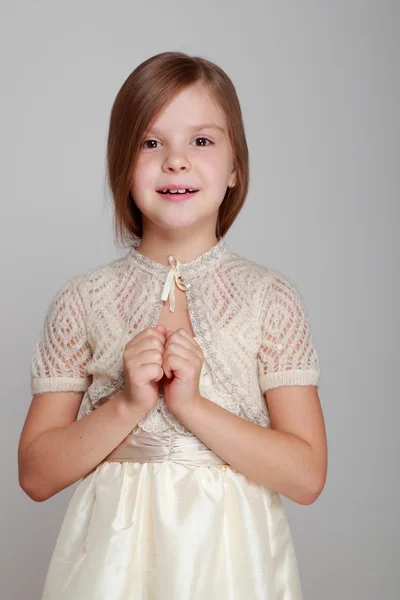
{"type": "Point", "coordinates": [141, 98]}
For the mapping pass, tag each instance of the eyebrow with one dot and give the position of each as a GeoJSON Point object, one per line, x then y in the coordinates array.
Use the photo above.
{"type": "Point", "coordinates": [210, 125]}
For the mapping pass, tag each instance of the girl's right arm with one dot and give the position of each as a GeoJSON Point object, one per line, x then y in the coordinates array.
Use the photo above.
{"type": "Point", "coordinates": [55, 450]}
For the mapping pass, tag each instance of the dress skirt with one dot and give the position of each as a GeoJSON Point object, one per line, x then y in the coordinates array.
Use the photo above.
{"type": "Point", "coordinates": [164, 518]}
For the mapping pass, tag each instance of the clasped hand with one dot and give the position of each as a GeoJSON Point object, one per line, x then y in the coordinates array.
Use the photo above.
{"type": "Point", "coordinates": [182, 364]}
{"type": "Point", "coordinates": [175, 357]}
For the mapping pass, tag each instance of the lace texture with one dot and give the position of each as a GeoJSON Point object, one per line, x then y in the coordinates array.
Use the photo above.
{"type": "Point", "coordinates": [61, 357]}
{"type": "Point", "coordinates": [287, 354]}
{"type": "Point", "coordinates": [250, 321]}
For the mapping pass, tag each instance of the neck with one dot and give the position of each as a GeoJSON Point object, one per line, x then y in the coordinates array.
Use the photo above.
{"type": "Point", "coordinates": [185, 248]}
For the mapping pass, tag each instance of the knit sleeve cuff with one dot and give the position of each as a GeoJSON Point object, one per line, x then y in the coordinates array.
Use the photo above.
{"type": "Point", "coordinates": [59, 384]}
{"type": "Point", "coordinates": [295, 377]}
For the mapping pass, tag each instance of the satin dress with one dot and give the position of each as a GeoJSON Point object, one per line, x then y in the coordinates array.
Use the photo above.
{"type": "Point", "coordinates": [164, 518]}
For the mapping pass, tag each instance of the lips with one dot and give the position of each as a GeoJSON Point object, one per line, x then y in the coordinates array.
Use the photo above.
{"type": "Point", "coordinates": [177, 194]}
{"type": "Point", "coordinates": [177, 190]}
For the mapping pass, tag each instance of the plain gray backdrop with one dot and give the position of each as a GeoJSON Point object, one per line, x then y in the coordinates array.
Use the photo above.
{"type": "Point", "coordinates": [319, 88]}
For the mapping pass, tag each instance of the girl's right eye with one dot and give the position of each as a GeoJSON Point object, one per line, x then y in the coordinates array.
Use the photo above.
{"type": "Point", "coordinates": [150, 142]}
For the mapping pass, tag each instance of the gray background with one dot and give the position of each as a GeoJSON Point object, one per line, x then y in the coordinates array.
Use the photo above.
{"type": "Point", "coordinates": [319, 87]}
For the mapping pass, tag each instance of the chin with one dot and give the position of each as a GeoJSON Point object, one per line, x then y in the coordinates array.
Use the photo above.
{"type": "Point", "coordinates": [181, 224]}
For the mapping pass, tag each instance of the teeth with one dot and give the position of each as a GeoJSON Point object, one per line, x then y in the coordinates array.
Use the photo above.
{"type": "Point", "coordinates": [181, 191]}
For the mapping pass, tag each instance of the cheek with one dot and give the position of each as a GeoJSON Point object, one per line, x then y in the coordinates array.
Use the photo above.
{"type": "Point", "coordinates": [217, 168]}
{"type": "Point", "coordinates": [217, 176]}
{"type": "Point", "coordinates": [144, 176]}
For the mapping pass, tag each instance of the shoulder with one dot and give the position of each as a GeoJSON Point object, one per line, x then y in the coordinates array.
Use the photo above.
{"type": "Point", "coordinates": [264, 285]}
{"type": "Point", "coordinates": [113, 271]}
{"type": "Point", "coordinates": [256, 274]}
{"type": "Point", "coordinates": [98, 280]}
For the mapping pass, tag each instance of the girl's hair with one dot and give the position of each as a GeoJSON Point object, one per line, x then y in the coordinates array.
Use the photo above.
{"type": "Point", "coordinates": [141, 98]}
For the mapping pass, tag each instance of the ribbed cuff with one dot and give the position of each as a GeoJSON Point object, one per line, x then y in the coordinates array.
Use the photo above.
{"type": "Point", "coordinates": [297, 377]}
{"type": "Point", "coordinates": [59, 384]}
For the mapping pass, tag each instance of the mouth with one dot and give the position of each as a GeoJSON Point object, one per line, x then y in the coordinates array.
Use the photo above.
{"type": "Point", "coordinates": [177, 194]}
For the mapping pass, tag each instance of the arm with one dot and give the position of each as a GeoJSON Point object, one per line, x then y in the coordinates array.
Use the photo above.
{"type": "Point", "coordinates": [55, 450]}
{"type": "Point", "coordinates": [290, 458]}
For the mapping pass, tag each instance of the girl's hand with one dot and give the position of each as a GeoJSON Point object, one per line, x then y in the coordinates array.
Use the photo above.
{"type": "Point", "coordinates": [142, 360]}
{"type": "Point", "coordinates": [182, 364]}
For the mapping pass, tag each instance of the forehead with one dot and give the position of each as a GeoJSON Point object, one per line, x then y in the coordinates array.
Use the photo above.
{"type": "Point", "coordinates": [190, 108]}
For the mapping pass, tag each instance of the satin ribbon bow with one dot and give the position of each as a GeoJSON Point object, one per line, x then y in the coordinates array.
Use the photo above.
{"type": "Point", "coordinates": [169, 288]}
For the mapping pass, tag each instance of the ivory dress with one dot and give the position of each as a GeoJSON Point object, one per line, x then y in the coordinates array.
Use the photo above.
{"type": "Point", "coordinates": [163, 517]}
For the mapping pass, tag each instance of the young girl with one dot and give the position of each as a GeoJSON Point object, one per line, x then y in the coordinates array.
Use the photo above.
{"type": "Point", "coordinates": [194, 370]}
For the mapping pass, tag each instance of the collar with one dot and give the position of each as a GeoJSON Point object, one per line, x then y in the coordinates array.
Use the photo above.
{"type": "Point", "coordinates": [177, 273]}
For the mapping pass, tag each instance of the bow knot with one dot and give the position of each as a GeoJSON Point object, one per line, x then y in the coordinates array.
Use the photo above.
{"type": "Point", "coordinates": [169, 288]}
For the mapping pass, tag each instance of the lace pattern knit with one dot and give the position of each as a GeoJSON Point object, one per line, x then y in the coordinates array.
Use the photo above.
{"type": "Point", "coordinates": [250, 321]}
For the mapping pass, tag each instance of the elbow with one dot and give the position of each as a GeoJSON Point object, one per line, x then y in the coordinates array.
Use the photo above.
{"type": "Point", "coordinates": [30, 480]}
{"type": "Point", "coordinates": [35, 492]}
{"type": "Point", "coordinates": [313, 484]}
{"type": "Point", "coordinates": [33, 488]}
{"type": "Point", "coordinates": [311, 492]}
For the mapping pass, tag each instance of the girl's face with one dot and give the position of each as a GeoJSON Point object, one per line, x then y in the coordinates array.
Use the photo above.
{"type": "Point", "coordinates": [186, 146]}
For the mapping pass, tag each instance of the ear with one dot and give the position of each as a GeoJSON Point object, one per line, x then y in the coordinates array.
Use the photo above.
{"type": "Point", "coordinates": [232, 178]}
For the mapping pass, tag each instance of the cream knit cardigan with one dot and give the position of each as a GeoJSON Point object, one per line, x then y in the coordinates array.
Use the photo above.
{"type": "Point", "coordinates": [250, 321]}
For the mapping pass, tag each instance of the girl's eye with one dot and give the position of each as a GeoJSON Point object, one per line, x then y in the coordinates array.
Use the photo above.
{"type": "Point", "coordinates": [203, 139]}
{"type": "Point", "coordinates": [150, 142]}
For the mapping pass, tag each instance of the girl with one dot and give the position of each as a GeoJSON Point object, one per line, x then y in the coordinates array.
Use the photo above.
{"type": "Point", "coordinates": [194, 370]}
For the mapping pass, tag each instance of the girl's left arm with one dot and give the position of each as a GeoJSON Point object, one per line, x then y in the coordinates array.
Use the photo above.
{"type": "Point", "coordinates": [289, 458]}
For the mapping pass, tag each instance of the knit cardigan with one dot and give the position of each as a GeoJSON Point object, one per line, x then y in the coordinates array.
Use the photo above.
{"type": "Point", "coordinates": [250, 321]}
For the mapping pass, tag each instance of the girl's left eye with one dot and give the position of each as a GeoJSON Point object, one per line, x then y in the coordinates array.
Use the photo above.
{"type": "Point", "coordinates": [203, 139]}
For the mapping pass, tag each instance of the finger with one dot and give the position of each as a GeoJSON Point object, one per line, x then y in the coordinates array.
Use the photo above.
{"type": "Point", "coordinates": [176, 338]}
{"type": "Point", "coordinates": [158, 331]}
{"type": "Point", "coordinates": [153, 372]}
{"type": "Point", "coordinates": [160, 376]}
{"type": "Point", "coordinates": [147, 334]}
{"type": "Point", "coordinates": [150, 372]}
{"type": "Point", "coordinates": [148, 357]}
{"type": "Point", "coordinates": [179, 367]}
{"type": "Point", "coordinates": [162, 329]}
{"type": "Point", "coordinates": [184, 333]}
{"type": "Point", "coordinates": [193, 359]}
{"type": "Point", "coordinates": [152, 332]}
{"type": "Point", "coordinates": [148, 343]}
{"type": "Point", "coordinates": [179, 350]}
{"type": "Point", "coordinates": [187, 341]}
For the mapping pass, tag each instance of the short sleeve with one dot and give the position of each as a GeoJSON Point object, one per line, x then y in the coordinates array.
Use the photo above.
{"type": "Point", "coordinates": [62, 353]}
{"type": "Point", "coordinates": [287, 355]}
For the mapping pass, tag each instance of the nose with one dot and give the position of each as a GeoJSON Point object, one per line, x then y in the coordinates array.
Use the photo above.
{"type": "Point", "coordinates": [176, 161]}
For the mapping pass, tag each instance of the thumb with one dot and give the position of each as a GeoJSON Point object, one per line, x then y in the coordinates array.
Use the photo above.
{"type": "Point", "coordinates": [162, 329]}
